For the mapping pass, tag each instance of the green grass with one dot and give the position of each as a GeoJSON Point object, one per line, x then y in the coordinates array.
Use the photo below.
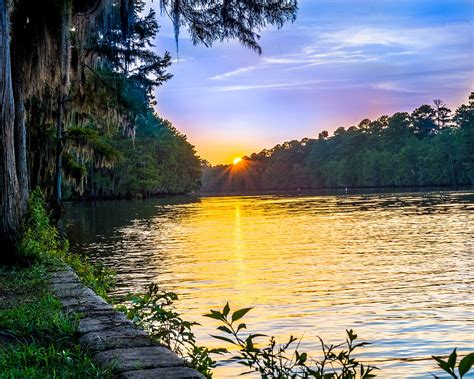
{"type": "Point", "coordinates": [38, 339]}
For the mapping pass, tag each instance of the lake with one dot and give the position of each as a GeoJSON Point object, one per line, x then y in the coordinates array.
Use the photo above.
{"type": "Point", "coordinates": [395, 267]}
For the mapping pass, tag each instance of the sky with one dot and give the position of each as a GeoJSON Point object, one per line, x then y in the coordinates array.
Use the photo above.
{"type": "Point", "coordinates": [341, 61]}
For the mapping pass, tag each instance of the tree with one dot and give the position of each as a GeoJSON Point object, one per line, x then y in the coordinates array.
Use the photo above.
{"type": "Point", "coordinates": [423, 119]}
{"type": "Point", "coordinates": [10, 222]}
{"type": "Point", "coordinates": [464, 116]}
{"type": "Point", "coordinates": [209, 21]}
{"type": "Point", "coordinates": [442, 114]}
{"type": "Point", "coordinates": [339, 131]}
{"type": "Point", "coordinates": [323, 135]}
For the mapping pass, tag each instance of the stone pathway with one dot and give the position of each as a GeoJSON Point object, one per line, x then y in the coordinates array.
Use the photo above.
{"type": "Point", "coordinates": [114, 340]}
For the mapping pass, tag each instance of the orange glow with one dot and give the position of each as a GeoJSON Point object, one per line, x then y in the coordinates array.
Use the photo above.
{"type": "Point", "coordinates": [237, 160]}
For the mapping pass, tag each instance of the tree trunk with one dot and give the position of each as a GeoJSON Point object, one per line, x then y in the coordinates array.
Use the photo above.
{"type": "Point", "coordinates": [58, 194]}
{"type": "Point", "coordinates": [63, 90]}
{"type": "Point", "coordinates": [10, 218]}
{"type": "Point", "coordinates": [20, 146]}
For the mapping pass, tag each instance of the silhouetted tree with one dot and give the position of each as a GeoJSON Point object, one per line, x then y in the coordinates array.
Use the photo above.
{"type": "Point", "coordinates": [423, 119]}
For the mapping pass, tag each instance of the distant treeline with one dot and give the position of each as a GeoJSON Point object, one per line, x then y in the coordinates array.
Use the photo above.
{"type": "Point", "coordinates": [432, 146]}
{"type": "Point", "coordinates": [157, 161]}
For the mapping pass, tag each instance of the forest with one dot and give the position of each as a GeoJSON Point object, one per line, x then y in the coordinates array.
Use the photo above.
{"type": "Point", "coordinates": [111, 142]}
{"type": "Point", "coordinates": [432, 146]}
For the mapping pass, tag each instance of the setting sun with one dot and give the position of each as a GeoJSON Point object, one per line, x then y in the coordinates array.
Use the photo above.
{"type": "Point", "coordinates": [237, 160]}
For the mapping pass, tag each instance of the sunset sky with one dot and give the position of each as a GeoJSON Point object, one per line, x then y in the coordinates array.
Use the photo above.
{"type": "Point", "coordinates": [341, 61]}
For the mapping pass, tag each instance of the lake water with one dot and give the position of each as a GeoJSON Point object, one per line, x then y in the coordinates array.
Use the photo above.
{"type": "Point", "coordinates": [395, 267]}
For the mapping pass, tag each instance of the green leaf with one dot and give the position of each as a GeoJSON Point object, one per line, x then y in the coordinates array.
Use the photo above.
{"type": "Point", "coordinates": [452, 359]}
{"type": "Point", "coordinates": [215, 315]}
{"type": "Point", "coordinates": [226, 310]}
{"type": "Point", "coordinates": [352, 336]}
{"type": "Point", "coordinates": [466, 364]}
{"type": "Point", "coordinates": [443, 364]}
{"type": "Point", "coordinates": [226, 339]}
{"type": "Point", "coordinates": [237, 315]}
{"type": "Point", "coordinates": [225, 329]}
{"type": "Point", "coordinates": [303, 357]}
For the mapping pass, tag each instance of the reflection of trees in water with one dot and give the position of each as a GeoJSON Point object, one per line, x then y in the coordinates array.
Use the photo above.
{"type": "Point", "coordinates": [122, 234]}
{"type": "Point", "coordinates": [88, 221]}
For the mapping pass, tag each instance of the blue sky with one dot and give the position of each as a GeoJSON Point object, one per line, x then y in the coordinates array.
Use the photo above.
{"type": "Point", "coordinates": [339, 62]}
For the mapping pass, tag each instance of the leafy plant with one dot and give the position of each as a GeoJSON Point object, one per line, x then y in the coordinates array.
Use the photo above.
{"type": "Point", "coordinates": [153, 311]}
{"type": "Point", "coordinates": [285, 360]}
{"type": "Point", "coordinates": [42, 242]}
{"type": "Point", "coordinates": [449, 366]}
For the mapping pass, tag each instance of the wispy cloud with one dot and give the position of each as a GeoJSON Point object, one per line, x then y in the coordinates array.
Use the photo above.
{"type": "Point", "coordinates": [307, 85]}
{"type": "Point", "coordinates": [181, 60]}
{"type": "Point", "coordinates": [237, 72]}
{"type": "Point", "coordinates": [356, 45]}
{"type": "Point", "coordinates": [415, 37]}
{"type": "Point", "coordinates": [393, 87]}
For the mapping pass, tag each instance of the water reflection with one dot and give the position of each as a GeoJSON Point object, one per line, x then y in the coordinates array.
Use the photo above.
{"type": "Point", "coordinates": [397, 268]}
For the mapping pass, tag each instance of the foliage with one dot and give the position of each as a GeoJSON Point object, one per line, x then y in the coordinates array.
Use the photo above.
{"type": "Point", "coordinates": [115, 146]}
{"type": "Point", "coordinates": [42, 242]}
{"type": "Point", "coordinates": [37, 340]}
{"type": "Point", "coordinates": [284, 360]}
{"type": "Point", "coordinates": [449, 365]}
{"type": "Point", "coordinates": [209, 21]}
{"type": "Point", "coordinates": [430, 147]}
{"type": "Point", "coordinates": [159, 161]}
{"type": "Point", "coordinates": [154, 312]}
{"type": "Point", "coordinates": [24, 322]}
{"type": "Point", "coordinates": [51, 361]}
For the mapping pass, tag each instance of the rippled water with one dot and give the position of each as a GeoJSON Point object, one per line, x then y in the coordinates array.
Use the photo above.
{"type": "Point", "coordinates": [397, 268]}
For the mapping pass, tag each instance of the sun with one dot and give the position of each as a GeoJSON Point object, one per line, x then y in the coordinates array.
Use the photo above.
{"type": "Point", "coordinates": [237, 160]}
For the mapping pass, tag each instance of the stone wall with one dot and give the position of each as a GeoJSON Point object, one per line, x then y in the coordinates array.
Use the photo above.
{"type": "Point", "coordinates": [113, 339]}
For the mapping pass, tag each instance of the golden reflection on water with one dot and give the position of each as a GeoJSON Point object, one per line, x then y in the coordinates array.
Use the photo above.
{"type": "Point", "coordinates": [395, 268]}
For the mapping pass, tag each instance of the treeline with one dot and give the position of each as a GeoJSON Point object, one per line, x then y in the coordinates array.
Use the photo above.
{"type": "Point", "coordinates": [432, 146]}
{"type": "Point", "coordinates": [159, 160]}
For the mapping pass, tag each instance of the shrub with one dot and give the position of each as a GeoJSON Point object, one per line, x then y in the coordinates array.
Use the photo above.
{"type": "Point", "coordinates": [285, 360]}
{"type": "Point", "coordinates": [42, 242]}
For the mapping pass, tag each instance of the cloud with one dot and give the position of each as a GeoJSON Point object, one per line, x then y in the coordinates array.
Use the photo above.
{"type": "Point", "coordinates": [362, 44]}
{"type": "Point", "coordinates": [393, 87]}
{"type": "Point", "coordinates": [409, 36]}
{"type": "Point", "coordinates": [181, 60]}
{"type": "Point", "coordinates": [307, 85]}
{"type": "Point", "coordinates": [237, 72]}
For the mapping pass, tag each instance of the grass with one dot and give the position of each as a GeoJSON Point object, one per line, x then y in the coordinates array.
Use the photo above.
{"type": "Point", "coordinates": [37, 338]}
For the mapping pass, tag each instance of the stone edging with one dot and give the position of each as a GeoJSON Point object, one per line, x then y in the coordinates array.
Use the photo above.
{"type": "Point", "coordinates": [113, 339]}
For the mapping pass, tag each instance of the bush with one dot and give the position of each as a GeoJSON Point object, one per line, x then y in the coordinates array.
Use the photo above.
{"type": "Point", "coordinates": [42, 242]}
{"type": "Point", "coordinates": [284, 360]}
{"type": "Point", "coordinates": [153, 311]}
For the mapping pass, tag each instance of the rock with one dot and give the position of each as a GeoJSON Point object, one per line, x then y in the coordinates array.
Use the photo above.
{"type": "Point", "coordinates": [119, 344]}
{"type": "Point", "coordinates": [120, 337]}
{"type": "Point", "coordinates": [67, 290]}
{"type": "Point", "coordinates": [87, 303]}
{"type": "Point", "coordinates": [140, 358]}
{"type": "Point", "coordinates": [101, 322]}
{"type": "Point", "coordinates": [64, 276]}
{"type": "Point", "coordinates": [163, 373]}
